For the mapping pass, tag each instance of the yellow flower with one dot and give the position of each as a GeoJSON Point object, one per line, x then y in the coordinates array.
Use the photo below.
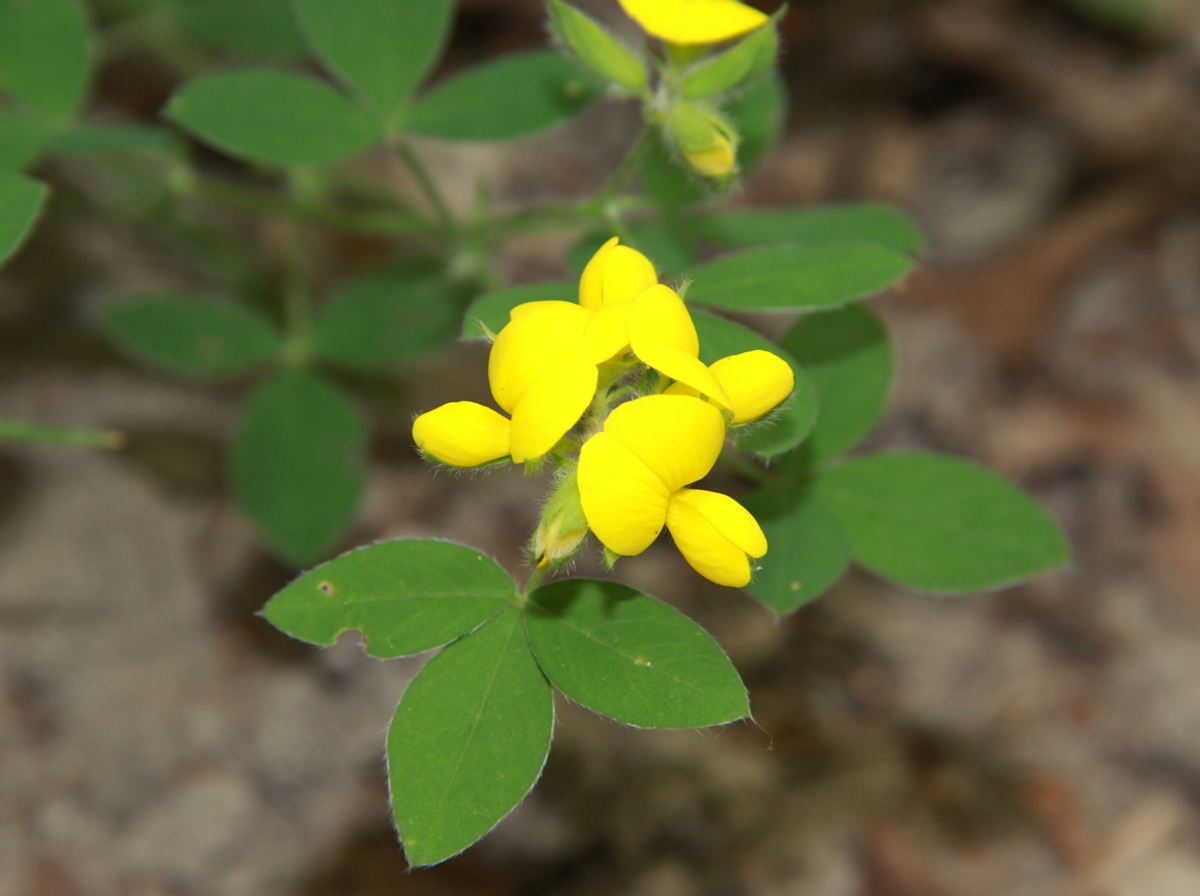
{"type": "Point", "coordinates": [755, 382]}
{"type": "Point", "coordinates": [622, 307]}
{"type": "Point", "coordinates": [538, 375]}
{"type": "Point", "coordinates": [632, 479]}
{"type": "Point", "coordinates": [694, 21]}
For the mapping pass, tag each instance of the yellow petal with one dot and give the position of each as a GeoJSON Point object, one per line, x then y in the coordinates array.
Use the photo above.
{"type": "Point", "coordinates": [532, 345]}
{"type": "Point", "coordinates": [462, 433]}
{"type": "Point", "coordinates": [712, 531]}
{"type": "Point", "coordinates": [624, 501]}
{"type": "Point", "coordinates": [732, 520]}
{"type": "Point", "coordinates": [549, 407]}
{"type": "Point", "coordinates": [627, 274]}
{"type": "Point", "coordinates": [607, 333]}
{"type": "Point", "coordinates": [679, 438]}
{"type": "Point", "coordinates": [755, 382]}
{"type": "Point", "coordinates": [591, 284]}
{"type": "Point", "coordinates": [683, 368]}
{"type": "Point", "coordinates": [536, 307]}
{"type": "Point", "coordinates": [694, 21]}
{"type": "Point", "coordinates": [716, 161]}
{"type": "Point", "coordinates": [659, 316]}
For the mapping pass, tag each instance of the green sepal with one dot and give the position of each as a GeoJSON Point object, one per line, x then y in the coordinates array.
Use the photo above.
{"type": "Point", "coordinates": [597, 49]}
{"type": "Point", "coordinates": [750, 58]}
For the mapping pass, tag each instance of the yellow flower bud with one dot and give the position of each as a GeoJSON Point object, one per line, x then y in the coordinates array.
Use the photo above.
{"type": "Point", "coordinates": [563, 526]}
{"type": "Point", "coordinates": [717, 162]}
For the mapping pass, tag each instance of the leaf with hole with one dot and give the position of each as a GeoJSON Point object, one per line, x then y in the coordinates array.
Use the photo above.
{"type": "Point", "coordinates": [872, 222]}
{"type": "Point", "coordinates": [405, 596]}
{"type": "Point", "coordinates": [387, 319]}
{"type": "Point", "coordinates": [297, 464]}
{"type": "Point", "coordinates": [489, 314]}
{"type": "Point", "coordinates": [798, 278]}
{"type": "Point", "coordinates": [21, 200]}
{"type": "Point", "coordinates": [940, 523]}
{"type": "Point", "coordinates": [192, 336]}
{"type": "Point", "coordinates": [380, 48]}
{"type": "Point", "coordinates": [808, 548]}
{"type": "Point", "coordinates": [468, 740]}
{"type": "Point", "coordinates": [631, 657]}
{"type": "Point", "coordinates": [273, 117]}
{"type": "Point", "coordinates": [513, 96]}
{"type": "Point", "coordinates": [788, 425]}
{"type": "Point", "coordinates": [45, 54]}
{"type": "Point", "coordinates": [848, 357]}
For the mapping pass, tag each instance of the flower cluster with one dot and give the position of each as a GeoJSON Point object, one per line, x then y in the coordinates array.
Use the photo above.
{"type": "Point", "coordinates": [614, 390]}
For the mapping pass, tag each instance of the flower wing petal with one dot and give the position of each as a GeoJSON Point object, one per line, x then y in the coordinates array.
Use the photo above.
{"type": "Point", "coordinates": [704, 545]}
{"type": "Point", "coordinates": [624, 501]}
{"type": "Point", "coordinates": [659, 316]}
{"type": "Point", "coordinates": [463, 433]}
{"type": "Point", "coordinates": [755, 382]}
{"type": "Point", "coordinates": [731, 519]}
{"type": "Point", "coordinates": [549, 407]}
{"type": "Point", "coordinates": [549, 305]}
{"type": "Point", "coordinates": [532, 345]}
{"type": "Point", "coordinates": [678, 437]}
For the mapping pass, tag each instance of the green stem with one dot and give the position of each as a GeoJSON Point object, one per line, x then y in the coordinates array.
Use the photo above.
{"type": "Point", "coordinates": [620, 177]}
{"type": "Point", "coordinates": [534, 580]}
{"type": "Point", "coordinates": [744, 468]}
{"type": "Point", "coordinates": [391, 221]}
{"type": "Point", "coordinates": [298, 322]}
{"type": "Point", "coordinates": [428, 187]}
{"type": "Point", "coordinates": [12, 431]}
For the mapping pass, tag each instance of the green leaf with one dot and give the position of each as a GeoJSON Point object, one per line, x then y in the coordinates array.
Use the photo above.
{"type": "Point", "coordinates": [489, 314]}
{"type": "Point", "coordinates": [44, 54]}
{"type": "Point", "coordinates": [297, 464]}
{"type": "Point", "coordinates": [513, 96]}
{"type": "Point", "coordinates": [254, 28]}
{"type": "Point", "coordinates": [872, 222]}
{"type": "Point", "coordinates": [97, 139]}
{"type": "Point", "coordinates": [404, 596]}
{"type": "Point", "coordinates": [631, 657]}
{"type": "Point", "coordinates": [808, 548]}
{"type": "Point", "coordinates": [191, 336]}
{"type": "Point", "coordinates": [797, 278]}
{"type": "Point", "coordinates": [381, 48]}
{"type": "Point", "coordinates": [21, 200]}
{"type": "Point", "coordinates": [848, 356]}
{"type": "Point", "coordinates": [724, 71]}
{"type": "Point", "coordinates": [386, 319]}
{"type": "Point", "coordinates": [759, 115]}
{"type": "Point", "coordinates": [23, 133]}
{"type": "Point", "coordinates": [597, 48]}
{"type": "Point", "coordinates": [468, 740]}
{"type": "Point", "coordinates": [940, 523]}
{"type": "Point", "coordinates": [790, 424]}
{"type": "Point", "coordinates": [273, 117]}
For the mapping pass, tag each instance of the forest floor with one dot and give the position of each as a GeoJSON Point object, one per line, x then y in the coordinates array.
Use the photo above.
{"type": "Point", "coordinates": [159, 739]}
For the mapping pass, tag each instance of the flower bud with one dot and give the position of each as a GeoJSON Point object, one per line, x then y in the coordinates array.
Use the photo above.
{"type": "Point", "coordinates": [707, 141]}
{"type": "Point", "coordinates": [563, 525]}
{"type": "Point", "coordinates": [596, 48]}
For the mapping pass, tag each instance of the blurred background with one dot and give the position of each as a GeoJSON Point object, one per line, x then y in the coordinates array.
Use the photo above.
{"type": "Point", "coordinates": [159, 739]}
